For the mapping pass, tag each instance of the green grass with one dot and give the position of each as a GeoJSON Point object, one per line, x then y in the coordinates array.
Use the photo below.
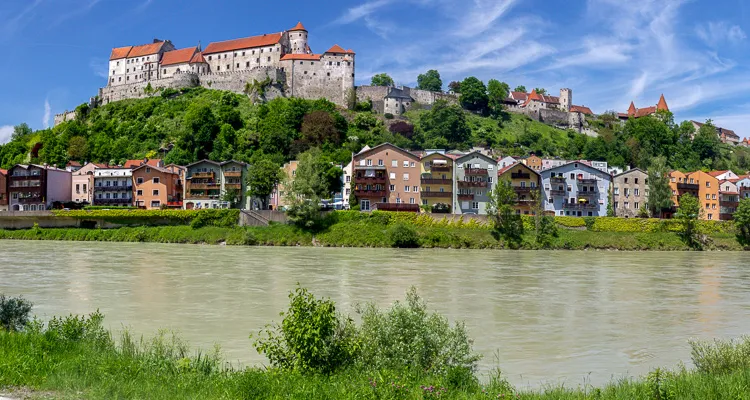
{"type": "Point", "coordinates": [93, 366]}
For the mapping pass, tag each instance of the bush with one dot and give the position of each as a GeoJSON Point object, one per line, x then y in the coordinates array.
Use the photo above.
{"type": "Point", "coordinates": [388, 116]}
{"type": "Point", "coordinates": [312, 337]}
{"type": "Point", "coordinates": [408, 337]}
{"type": "Point", "coordinates": [75, 328]}
{"type": "Point", "coordinates": [721, 356]}
{"type": "Point", "coordinates": [404, 236]}
{"type": "Point", "coordinates": [14, 313]}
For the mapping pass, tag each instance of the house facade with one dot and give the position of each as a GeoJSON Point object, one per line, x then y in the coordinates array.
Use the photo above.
{"type": "Point", "coordinates": [680, 185]}
{"type": "Point", "coordinates": [708, 194]}
{"type": "Point", "coordinates": [37, 187]}
{"type": "Point", "coordinates": [82, 184]}
{"type": "Point", "coordinates": [534, 162]}
{"type": "Point", "coordinates": [505, 162]}
{"type": "Point", "coordinates": [211, 184]}
{"type": "Point", "coordinates": [113, 186]}
{"type": "Point", "coordinates": [630, 193]}
{"type": "Point", "coordinates": [729, 199]}
{"type": "Point", "coordinates": [575, 189]}
{"type": "Point", "coordinates": [387, 177]}
{"type": "Point", "coordinates": [277, 199]}
{"type": "Point", "coordinates": [156, 188]}
{"type": "Point", "coordinates": [436, 181]}
{"type": "Point", "coordinates": [525, 182]}
{"type": "Point", "coordinates": [475, 174]}
{"type": "Point", "coordinates": [3, 190]}
{"type": "Point", "coordinates": [347, 184]}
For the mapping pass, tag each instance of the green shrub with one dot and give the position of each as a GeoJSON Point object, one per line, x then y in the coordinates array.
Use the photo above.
{"type": "Point", "coordinates": [14, 313]}
{"type": "Point", "coordinates": [312, 337]}
{"type": "Point", "coordinates": [721, 356]}
{"type": "Point", "coordinates": [589, 221]}
{"type": "Point", "coordinates": [403, 236]}
{"type": "Point", "coordinates": [388, 116]}
{"type": "Point", "coordinates": [74, 328]}
{"type": "Point", "coordinates": [407, 336]}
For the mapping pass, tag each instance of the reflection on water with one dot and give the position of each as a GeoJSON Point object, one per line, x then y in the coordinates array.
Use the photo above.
{"type": "Point", "coordinates": [550, 316]}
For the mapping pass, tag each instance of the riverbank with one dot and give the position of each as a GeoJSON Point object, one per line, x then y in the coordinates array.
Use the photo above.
{"type": "Point", "coordinates": [374, 234]}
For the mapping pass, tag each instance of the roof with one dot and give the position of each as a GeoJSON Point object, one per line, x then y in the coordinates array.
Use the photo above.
{"type": "Point", "coordinates": [719, 130]}
{"type": "Point", "coordinates": [202, 161]}
{"type": "Point", "coordinates": [373, 150]}
{"type": "Point", "coordinates": [3, 172]}
{"type": "Point", "coordinates": [244, 43]}
{"type": "Point", "coordinates": [580, 163]}
{"type": "Point", "coordinates": [717, 173]}
{"type": "Point", "coordinates": [582, 110]}
{"type": "Point", "coordinates": [181, 56]}
{"type": "Point", "coordinates": [120, 52]}
{"type": "Point", "coordinates": [642, 112]}
{"type": "Point", "coordinates": [198, 58]}
{"type": "Point", "coordinates": [396, 93]}
{"type": "Point", "coordinates": [73, 164]}
{"type": "Point", "coordinates": [631, 170]}
{"type": "Point", "coordinates": [662, 104]}
{"type": "Point", "coordinates": [298, 27]}
{"type": "Point", "coordinates": [336, 49]}
{"type": "Point", "coordinates": [519, 96]}
{"type": "Point", "coordinates": [480, 154]}
{"type": "Point", "coordinates": [310, 57]}
{"type": "Point", "coordinates": [160, 169]}
{"type": "Point", "coordinates": [504, 170]}
{"type": "Point", "coordinates": [146, 49]}
{"type": "Point", "coordinates": [542, 98]}
{"type": "Point", "coordinates": [137, 163]}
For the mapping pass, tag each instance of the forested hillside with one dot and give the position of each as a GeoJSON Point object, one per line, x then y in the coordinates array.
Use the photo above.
{"type": "Point", "coordinates": [200, 123]}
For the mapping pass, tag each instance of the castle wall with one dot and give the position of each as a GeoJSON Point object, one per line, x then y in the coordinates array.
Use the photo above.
{"type": "Point", "coordinates": [235, 81]}
{"type": "Point", "coordinates": [429, 97]}
{"type": "Point", "coordinates": [330, 78]}
{"type": "Point", "coordinates": [109, 94]}
{"type": "Point", "coordinates": [66, 116]}
{"type": "Point", "coordinates": [374, 93]}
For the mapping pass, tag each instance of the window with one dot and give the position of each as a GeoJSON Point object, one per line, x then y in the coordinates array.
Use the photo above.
{"type": "Point", "coordinates": [411, 200]}
{"type": "Point", "coordinates": [394, 163]}
{"type": "Point", "coordinates": [247, 64]}
{"type": "Point", "coordinates": [392, 175]}
{"type": "Point", "coordinates": [155, 204]}
{"type": "Point", "coordinates": [636, 181]}
{"type": "Point", "coordinates": [406, 177]}
{"type": "Point", "coordinates": [392, 188]}
{"type": "Point", "coordinates": [475, 205]}
{"type": "Point", "coordinates": [238, 65]}
{"type": "Point", "coordinates": [406, 188]}
{"type": "Point", "coordinates": [626, 180]}
{"type": "Point", "coordinates": [635, 205]}
{"type": "Point", "coordinates": [413, 164]}
{"type": "Point", "coordinates": [138, 181]}
{"type": "Point", "coordinates": [155, 192]}
{"type": "Point", "coordinates": [627, 205]}
{"type": "Point", "coordinates": [156, 179]}
{"type": "Point", "coordinates": [85, 188]}
{"type": "Point", "coordinates": [269, 58]}
{"type": "Point", "coordinates": [708, 197]}
{"type": "Point", "coordinates": [78, 188]}
{"type": "Point", "coordinates": [636, 192]}
{"type": "Point", "coordinates": [406, 164]}
{"type": "Point", "coordinates": [710, 216]}
{"type": "Point", "coordinates": [617, 191]}
{"type": "Point", "coordinates": [398, 200]}
{"type": "Point", "coordinates": [380, 163]}
{"type": "Point", "coordinates": [218, 67]}
{"type": "Point", "coordinates": [348, 179]}
{"type": "Point", "coordinates": [572, 175]}
{"type": "Point", "coordinates": [489, 180]}
{"type": "Point", "coordinates": [369, 162]}
{"type": "Point", "coordinates": [708, 184]}
{"type": "Point", "coordinates": [139, 192]}
{"type": "Point", "coordinates": [713, 196]}
{"type": "Point", "coordinates": [415, 189]}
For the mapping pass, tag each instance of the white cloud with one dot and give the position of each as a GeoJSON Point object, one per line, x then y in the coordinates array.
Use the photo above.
{"type": "Point", "coordinates": [47, 114]}
{"type": "Point", "coordinates": [716, 33]}
{"type": "Point", "coordinates": [99, 67]}
{"type": "Point", "coordinates": [75, 12]}
{"type": "Point", "coordinates": [361, 11]}
{"type": "Point", "coordinates": [481, 16]}
{"type": "Point", "coordinates": [5, 133]}
{"type": "Point", "coordinates": [21, 19]}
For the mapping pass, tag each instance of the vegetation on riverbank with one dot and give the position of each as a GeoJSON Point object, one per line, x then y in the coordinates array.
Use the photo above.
{"type": "Point", "coordinates": [385, 229]}
{"type": "Point", "coordinates": [405, 352]}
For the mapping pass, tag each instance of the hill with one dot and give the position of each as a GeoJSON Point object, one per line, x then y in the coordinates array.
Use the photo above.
{"type": "Point", "coordinates": [198, 123]}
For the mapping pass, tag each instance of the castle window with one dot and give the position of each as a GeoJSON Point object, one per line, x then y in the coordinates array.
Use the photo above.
{"type": "Point", "coordinates": [269, 58]}
{"type": "Point", "coordinates": [218, 67]}
{"type": "Point", "coordinates": [253, 51]}
{"type": "Point", "coordinates": [113, 79]}
{"type": "Point", "coordinates": [118, 63]}
{"type": "Point", "coordinates": [338, 64]}
{"type": "Point", "coordinates": [305, 72]}
{"type": "Point", "coordinates": [301, 62]}
{"type": "Point", "coordinates": [243, 54]}
{"type": "Point", "coordinates": [312, 62]}
{"type": "Point", "coordinates": [238, 65]}
{"type": "Point", "coordinates": [257, 60]}
{"type": "Point", "coordinates": [127, 78]}
{"type": "Point", "coordinates": [261, 50]}
{"type": "Point", "coordinates": [165, 71]}
{"type": "Point", "coordinates": [235, 54]}
{"type": "Point", "coordinates": [127, 70]}
{"type": "Point", "coordinates": [209, 58]}
{"type": "Point", "coordinates": [329, 74]}
{"type": "Point", "coordinates": [225, 56]}
{"type": "Point", "coordinates": [247, 64]}
{"type": "Point", "coordinates": [227, 67]}
{"type": "Point", "coordinates": [119, 79]}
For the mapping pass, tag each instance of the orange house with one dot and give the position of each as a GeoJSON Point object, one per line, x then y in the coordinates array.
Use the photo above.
{"type": "Point", "coordinates": [708, 194]}
{"type": "Point", "coordinates": [681, 184]}
{"type": "Point", "coordinates": [157, 187]}
{"type": "Point", "coordinates": [533, 162]}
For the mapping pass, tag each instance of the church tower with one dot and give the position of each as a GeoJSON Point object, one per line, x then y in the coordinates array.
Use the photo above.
{"type": "Point", "coordinates": [298, 39]}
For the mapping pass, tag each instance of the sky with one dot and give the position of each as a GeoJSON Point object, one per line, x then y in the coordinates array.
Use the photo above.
{"type": "Point", "coordinates": [609, 52]}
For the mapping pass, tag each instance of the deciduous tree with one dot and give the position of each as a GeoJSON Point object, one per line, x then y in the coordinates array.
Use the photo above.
{"type": "Point", "coordinates": [381, 80]}
{"type": "Point", "coordinates": [659, 191]}
{"type": "Point", "coordinates": [506, 224]}
{"type": "Point", "coordinates": [497, 92]}
{"type": "Point", "coordinates": [688, 214]}
{"type": "Point", "coordinates": [520, 88]}
{"type": "Point", "coordinates": [430, 81]}
{"type": "Point", "coordinates": [473, 94]}
{"type": "Point", "coordinates": [742, 222]}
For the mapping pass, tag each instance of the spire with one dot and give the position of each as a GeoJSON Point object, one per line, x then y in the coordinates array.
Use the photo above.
{"type": "Point", "coordinates": [632, 110]}
{"type": "Point", "coordinates": [662, 104]}
{"type": "Point", "coordinates": [298, 27]}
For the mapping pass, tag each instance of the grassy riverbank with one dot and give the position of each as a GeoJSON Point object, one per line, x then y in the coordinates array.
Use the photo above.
{"type": "Point", "coordinates": [76, 358]}
{"type": "Point", "coordinates": [377, 231]}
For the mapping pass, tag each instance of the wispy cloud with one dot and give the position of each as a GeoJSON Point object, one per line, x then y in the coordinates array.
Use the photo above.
{"type": "Point", "coordinates": [481, 16]}
{"type": "Point", "coordinates": [75, 11]}
{"type": "Point", "coordinates": [716, 33]}
{"type": "Point", "coordinates": [361, 11]}
{"type": "Point", "coordinates": [99, 67]}
{"type": "Point", "coordinates": [6, 132]}
{"type": "Point", "coordinates": [143, 6]}
{"type": "Point", "coordinates": [20, 20]}
{"type": "Point", "coordinates": [47, 114]}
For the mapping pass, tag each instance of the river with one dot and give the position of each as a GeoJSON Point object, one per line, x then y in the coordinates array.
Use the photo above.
{"type": "Point", "coordinates": [542, 317]}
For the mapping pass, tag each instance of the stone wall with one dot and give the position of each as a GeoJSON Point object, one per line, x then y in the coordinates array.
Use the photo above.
{"type": "Point", "coordinates": [429, 97]}
{"type": "Point", "coordinates": [66, 116]}
{"type": "Point", "coordinates": [235, 81]}
{"type": "Point", "coordinates": [109, 94]}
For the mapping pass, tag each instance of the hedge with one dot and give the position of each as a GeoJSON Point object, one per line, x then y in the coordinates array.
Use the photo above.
{"type": "Point", "coordinates": [147, 217]}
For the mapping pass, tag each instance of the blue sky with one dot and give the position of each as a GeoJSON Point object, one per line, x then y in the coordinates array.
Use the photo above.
{"type": "Point", "coordinates": [608, 51]}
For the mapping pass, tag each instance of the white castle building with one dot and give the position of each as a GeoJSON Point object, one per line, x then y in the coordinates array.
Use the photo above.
{"type": "Point", "coordinates": [284, 59]}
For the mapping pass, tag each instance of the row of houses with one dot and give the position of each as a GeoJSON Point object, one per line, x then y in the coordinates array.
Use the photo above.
{"type": "Point", "coordinates": [146, 184]}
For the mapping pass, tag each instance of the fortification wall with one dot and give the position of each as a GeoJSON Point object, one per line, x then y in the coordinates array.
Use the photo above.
{"type": "Point", "coordinates": [235, 81]}
{"type": "Point", "coordinates": [374, 93]}
{"type": "Point", "coordinates": [429, 97]}
{"type": "Point", "coordinates": [109, 94]}
{"type": "Point", "coordinates": [66, 116]}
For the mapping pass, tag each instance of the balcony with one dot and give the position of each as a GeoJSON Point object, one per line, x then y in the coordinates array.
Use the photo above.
{"type": "Point", "coordinates": [370, 193]}
{"type": "Point", "coordinates": [29, 200]}
{"type": "Point", "coordinates": [113, 188]}
{"type": "Point", "coordinates": [589, 193]}
{"type": "Point", "coordinates": [475, 171]}
{"type": "Point", "coordinates": [174, 203]}
{"type": "Point", "coordinates": [581, 206]}
{"type": "Point", "coordinates": [442, 195]}
{"type": "Point", "coordinates": [557, 193]}
{"type": "Point", "coordinates": [202, 196]}
{"type": "Point", "coordinates": [397, 207]}
{"type": "Point", "coordinates": [113, 201]}
{"type": "Point", "coordinates": [466, 197]}
{"type": "Point", "coordinates": [203, 186]}
{"type": "Point", "coordinates": [203, 175]}
{"type": "Point", "coordinates": [440, 168]}
{"type": "Point", "coordinates": [688, 186]}
{"type": "Point", "coordinates": [232, 174]}
{"type": "Point", "coordinates": [24, 177]}
{"type": "Point", "coordinates": [557, 179]}
{"type": "Point", "coordinates": [466, 184]}
{"type": "Point", "coordinates": [588, 181]}
{"type": "Point", "coordinates": [235, 186]}
{"type": "Point", "coordinates": [433, 181]}
{"type": "Point", "coordinates": [524, 190]}
{"type": "Point", "coordinates": [374, 167]}
{"type": "Point", "coordinates": [520, 175]}
{"type": "Point", "coordinates": [371, 179]}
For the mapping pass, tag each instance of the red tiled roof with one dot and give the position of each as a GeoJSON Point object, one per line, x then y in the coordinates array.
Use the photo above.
{"type": "Point", "coordinates": [662, 104]}
{"type": "Point", "coordinates": [298, 27]}
{"type": "Point", "coordinates": [542, 98]}
{"type": "Point", "coordinates": [120, 52]}
{"type": "Point", "coordinates": [311, 57]}
{"type": "Point", "coordinates": [198, 58]}
{"type": "Point", "coordinates": [504, 170]}
{"type": "Point", "coordinates": [137, 163]}
{"type": "Point", "coordinates": [146, 49]}
{"type": "Point", "coordinates": [582, 110]}
{"type": "Point", "coordinates": [244, 43]}
{"type": "Point", "coordinates": [519, 96]}
{"type": "Point", "coordinates": [73, 164]}
{"type": "Point", "coordinates": [4, 171]}
{"type": "Point", "coordinates": [717, 173]}
{"type": "Point", "coordinates": [181, 56]}
{"type": "Point", "coordinates": [336, 49]}
{"type": "Point", "coordinates": [350, 51]}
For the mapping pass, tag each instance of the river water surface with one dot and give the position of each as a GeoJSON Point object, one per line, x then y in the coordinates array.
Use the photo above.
{"type": "Point", "coordinates": [542, 317]}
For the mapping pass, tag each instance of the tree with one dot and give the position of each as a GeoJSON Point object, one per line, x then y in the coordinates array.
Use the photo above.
{"type": "Point", "coordinates": [506, 224]}
{"type": "Point", "coordinates": [659, 191]}
{"type": "Point", "coordinates": [541, 91]}
{"type": "Point", "coordinates": [14, 313]}
{"type": "Point", "coordinates": [382, 80]}
{"type": "Point", "coordinates": [231, 196]}
{"type": "Point", "coordinates": [473, 94]}
{"type": "Point", "coordinates": [706, 143]}
{"type": "Point", "coordinates": [20, 132]}
{"type": "Point", "coordinates": [520, 88]}
{"type": "Point", "coordinates": [430, 81]}
{"type": "Point", "coordinates": [262, 178]}
{"type": "Point", "coordinates": [446, 122]}
{"type": "Point", "coordinates": [454, 87]}
{"type": "Point", "coordinates": [319, 127]}
{"type": "Point", "coordinates": [688, 214]}
{"type": "Point", "coordinates": [497, 92]}
{"type": "Point", "coordinates": [315, 179]}
{"type": "Point", "coordinates": [545, 226]}
{"type": "Point", "coordinates": [78, 148]}
{"type": "Point", "coordinates": [200, 131]}
{"type": "Point", "coordinates": [742, 222]}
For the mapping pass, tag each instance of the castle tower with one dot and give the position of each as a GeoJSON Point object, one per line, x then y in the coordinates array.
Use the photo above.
{"type": "Point", "coordinates": [662, 104]}
{"type": "Point", "coordinates": [298, 39]}
{"type": "Point", "coordinates": [566, 99]}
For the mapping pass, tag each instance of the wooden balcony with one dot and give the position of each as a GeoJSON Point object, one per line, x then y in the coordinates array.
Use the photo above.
{"type": "Point", "coordinates": [441, 168]}
{"type": "Point", "coordinates": [688, 186]}
{"type": "Point", "coordinates": [232, 174]}
{"type": "Point", "coordinates": [372, 180]}
{"type": "Point", "coordinates": [465, 184]}
{"type": "Point", "coordinates": [442, 195]}
{"type": "Point", "coordinates": [203, 186]}
{"type": "Point", "coordinates": [475, 171]}
{"type": "Point", "coordinates": [466, 197]}
{"type": "Point", "coordinates": [588, 181]}
{"type": "Point", "coordinates": [557, 179]}
{"type": "Point", "coordinates": [203, 175]}
{"type": "Point", "coordinates": [234, 186]}
{"type": "Point", "coordinates": [436, 181]}
{"type": "Point", "coordinates": [558, 193]}
{"type": "Point", "coordinates": [370, 193]}
{"type": "Point", "coordinates": [520, 175]}
{"type": "Point", "coordinates": [524, 190]}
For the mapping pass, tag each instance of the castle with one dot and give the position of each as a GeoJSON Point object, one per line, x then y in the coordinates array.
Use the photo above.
{"type": "Point", "coordinates": [553, 110]}
{"type": "Point", "coordinates": [283, 62]}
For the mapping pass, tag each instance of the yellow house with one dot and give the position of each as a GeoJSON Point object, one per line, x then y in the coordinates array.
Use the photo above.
{"type": "Point", "coordinates": [526, 183]}
{"type": "Point", "coordinates": [436, 180]}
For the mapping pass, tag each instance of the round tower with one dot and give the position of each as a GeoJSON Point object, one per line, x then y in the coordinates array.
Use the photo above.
{"type": "Point", "coordinates": [298, 39]}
